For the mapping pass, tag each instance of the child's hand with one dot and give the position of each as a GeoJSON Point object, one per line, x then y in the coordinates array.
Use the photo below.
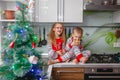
{"type": "Point", "coordinates": [75, 42]}
{"type": "Point", "coordinates": [84, 59]}
{"type": "Point", "coordinates": [59, 52]}
{"type": "Point", "coordinates": [63, 51]}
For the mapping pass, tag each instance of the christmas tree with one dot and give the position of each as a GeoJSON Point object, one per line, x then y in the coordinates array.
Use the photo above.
{"type": "Point", "coordinates": [20, 59]}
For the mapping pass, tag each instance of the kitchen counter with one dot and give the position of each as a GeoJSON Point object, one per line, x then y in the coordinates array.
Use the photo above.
{"type": "Point", "coordinates": [71, 64]}
{"type": "Point", "coordinates": [86, 66]}
{"type": "Point", "coordinates": [64, 67]}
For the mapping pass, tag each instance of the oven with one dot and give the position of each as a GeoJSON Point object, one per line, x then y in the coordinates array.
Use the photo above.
{"type": "Point", "coordinates": [102, 74]}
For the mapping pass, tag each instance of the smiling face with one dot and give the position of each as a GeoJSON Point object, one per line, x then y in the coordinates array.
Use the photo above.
{"type": "Point", "coordinates": [58, 30]}
{"type": "Point", "coordinates": [77, 36]}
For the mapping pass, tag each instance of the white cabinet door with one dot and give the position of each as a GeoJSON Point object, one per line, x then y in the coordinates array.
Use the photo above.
{"type": "Point", "coordinates": [73, 11]}
{"type": "Point", "coordinates": [47, 10]}
{"type": "Point", "coordinates": [0, 36]}
{"type": "Point", "coordinates": [60, 10]}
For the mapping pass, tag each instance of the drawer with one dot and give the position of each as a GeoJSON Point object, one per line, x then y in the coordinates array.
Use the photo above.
{"type": "Point", "coordinates": [68, 73]}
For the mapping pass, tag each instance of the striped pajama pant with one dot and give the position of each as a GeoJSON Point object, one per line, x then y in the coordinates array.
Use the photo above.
{"type": "Point", "coordinates": [73, 52]}
{"type": "Point", "coordinates": [52, 55]}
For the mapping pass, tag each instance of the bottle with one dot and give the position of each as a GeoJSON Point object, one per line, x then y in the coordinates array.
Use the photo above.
{"type": "Point", "coordinates": [31, 9]}
{"type": "Point", "coordinates": [113, 2]}
{"type": "Point", "coordinates": [88, 2]}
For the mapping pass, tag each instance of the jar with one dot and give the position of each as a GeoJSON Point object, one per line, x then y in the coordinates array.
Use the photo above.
{"type": "Point", "coordinates": [9, 14]}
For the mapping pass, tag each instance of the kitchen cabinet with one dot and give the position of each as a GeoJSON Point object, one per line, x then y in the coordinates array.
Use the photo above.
{"type": "Point", "coordinates": [68, 73]}
{"type": "Point", "coordinates": [107, 6]}
{"type": "Point", "coordinates": [59, 10]}
{"type": "Point", "coordinates": [102, 8]}
{"type": "Point", "coordinates": [0, 36]}
{"type": "Point", "coordinates": [101, 5]}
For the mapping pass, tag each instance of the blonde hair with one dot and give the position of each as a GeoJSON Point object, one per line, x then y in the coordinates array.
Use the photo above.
{"type": "Point", "coordinates": [78, 30]}
{"type": "Point", "coordinates": [52, 38]}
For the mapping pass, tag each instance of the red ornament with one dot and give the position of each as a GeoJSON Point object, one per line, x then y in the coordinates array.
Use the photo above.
{"type": "Point", "coordinates": [7, 30]}
{"type": "Point", "coordinates": [33, 45]}
{"type": "Point", "coordinates": [11, 45]}
{"type": "Point", "coordinates": [17, 7]}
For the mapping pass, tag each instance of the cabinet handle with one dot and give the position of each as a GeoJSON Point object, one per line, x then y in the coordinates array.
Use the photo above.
{"type": "Point", "coordinates": [58, 10]}
{"type": "Point", "coordinates": [63, 11]}
{"type": "Point", "coordinates": [61, 71]}
{"type": "Point", "coordinates": [104, 77]}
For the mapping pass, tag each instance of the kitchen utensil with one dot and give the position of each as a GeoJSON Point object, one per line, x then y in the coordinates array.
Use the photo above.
{"type": "Point", "coordinates": [117, 34]}
{"type": "Point", "coordinates": [65, 33]}
{"type": "Point", "coordinates": [106, 2]}
{"type": "Point", "coordinates": [40, 42]}
{"type": "Point", "coordinates": [69, 32]}
{"type": "Point", "coordinates": [44, 41]}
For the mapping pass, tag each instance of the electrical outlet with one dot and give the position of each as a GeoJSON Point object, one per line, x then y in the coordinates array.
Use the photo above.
{"type": "Point", "coordinates": [116, 44]}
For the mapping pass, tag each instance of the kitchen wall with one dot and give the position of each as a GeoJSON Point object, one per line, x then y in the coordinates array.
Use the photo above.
{"type": "Point", "coordinates": [116, 17]}
{"type": "Point", "coordinates": [95, 32]}
{"type": "Point", "coordinates": [101, 40]}
{"type": "Point", "coordinates": [97, 18]}
{"type": "Point", "coordinates": [97, 39]}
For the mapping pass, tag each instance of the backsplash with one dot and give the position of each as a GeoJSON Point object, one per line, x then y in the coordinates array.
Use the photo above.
{"type": "Point", "coordinates": [101, 39]}
{"type": "Point", "coordinates": [98, 39]}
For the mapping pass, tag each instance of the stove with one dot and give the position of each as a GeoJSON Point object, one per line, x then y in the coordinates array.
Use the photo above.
{"type": "Point", "coordinates": [104, 58]}
{"type": "Point", "coordinates": [103, 68]}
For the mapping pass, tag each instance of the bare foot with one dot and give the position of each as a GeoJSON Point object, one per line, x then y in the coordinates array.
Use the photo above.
{"type": "Point", "coordinates": [75, 61]}
{"type": "Point", "coordinates": [84, 60]}
{"type": "Point", "coordinates": [51, 62]}
{"type": "Point", "coordinates": [67, 60]}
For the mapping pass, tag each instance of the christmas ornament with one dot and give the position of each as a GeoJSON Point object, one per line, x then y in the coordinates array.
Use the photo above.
{"type": "Point", "coordinates": [36, 72]}
{"type": "Point", "coordinates": [26, 26]}
{"type": "Point", "coordinates": [17, 7]}
{"type": "Point", "coordinates": [24, 35]}
{"type": "Point", "coordinates": [28, 52]}
{"type": "Point", "coordinates": [11, 45]}
{"type": "Point", "coordinates": [31, 6]}
{"type": "Point", "coordinates": [35, 38]}
{"type": "Point", "coordinates": [33, 59]}
{"type": "Point", "coordinates": [33, 45]}
{"type": "Point", "coordinates": [10, 35]}
{"type": "Point", "coordinates": [25, 55]}
{"type": "Point", "coordinates": [7, 30]}
{"type": "Point", "coordinates": [20, 6]}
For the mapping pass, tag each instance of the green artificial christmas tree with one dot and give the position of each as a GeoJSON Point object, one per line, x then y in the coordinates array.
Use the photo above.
{"type": "Point", "coordinates": [20, 59]}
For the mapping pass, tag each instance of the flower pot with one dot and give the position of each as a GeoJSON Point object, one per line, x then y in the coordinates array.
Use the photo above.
{"type": "Point", "coordinates": [9, 14]}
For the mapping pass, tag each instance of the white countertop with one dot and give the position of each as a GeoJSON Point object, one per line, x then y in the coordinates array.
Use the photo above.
{"type": "Point", "coordinates": [71, 64]}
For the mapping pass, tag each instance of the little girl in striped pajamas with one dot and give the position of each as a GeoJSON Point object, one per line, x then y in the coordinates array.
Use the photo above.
{"type": "Point", "coordinates": [74, 48]}
{"type": "Point", "coordinates": [56, 41]}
